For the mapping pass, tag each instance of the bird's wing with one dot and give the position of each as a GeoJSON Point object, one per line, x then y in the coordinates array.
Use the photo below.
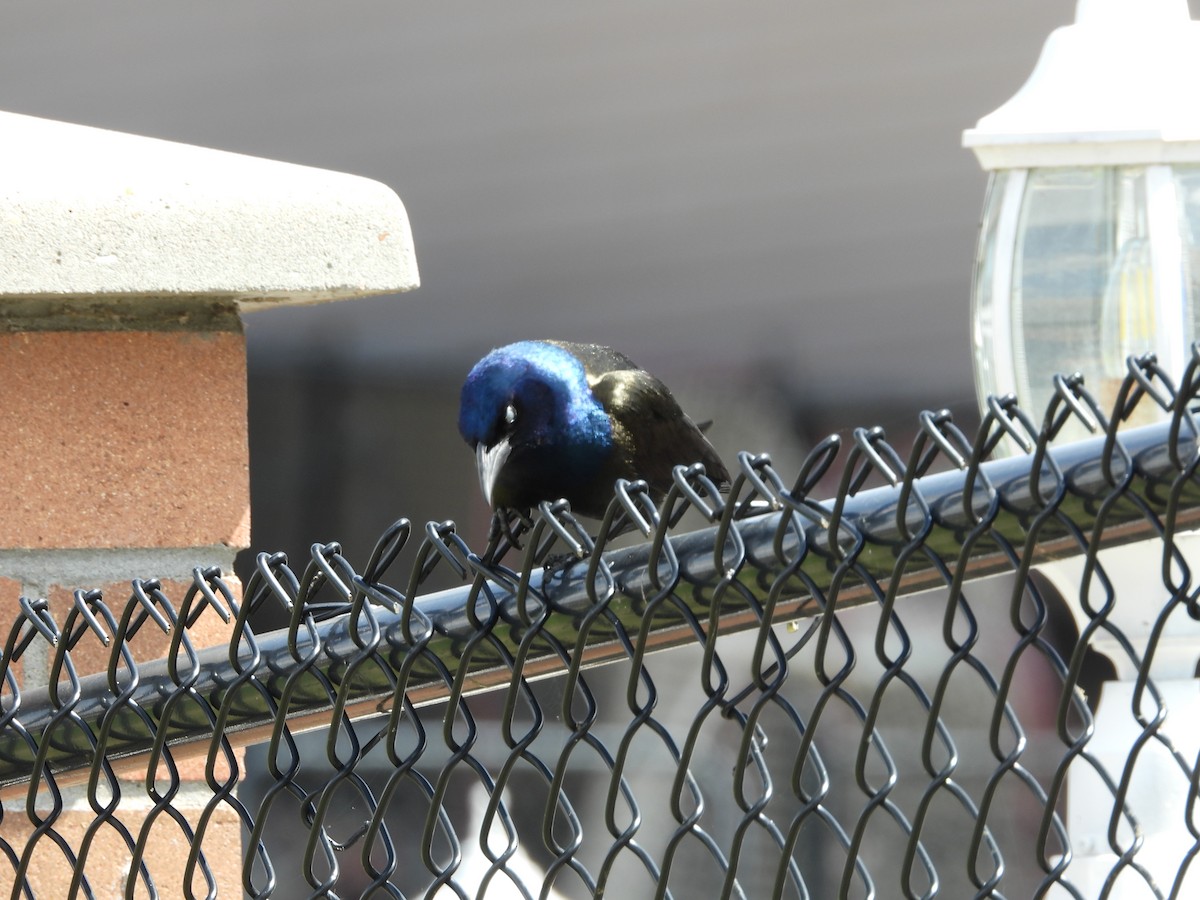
{"type": "Point", "coordinates": [652, 431]}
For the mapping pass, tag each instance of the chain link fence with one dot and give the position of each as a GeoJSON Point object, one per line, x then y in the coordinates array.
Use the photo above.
{"type": "Point", "coordinates": [883, 694]}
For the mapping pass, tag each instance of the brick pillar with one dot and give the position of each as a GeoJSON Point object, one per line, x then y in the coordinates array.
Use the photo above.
{"type": "Point", "coordinates": [125, 266]}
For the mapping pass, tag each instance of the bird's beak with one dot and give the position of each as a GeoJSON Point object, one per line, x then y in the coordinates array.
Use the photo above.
{"type": "Point", "coordinates": [489, 461]}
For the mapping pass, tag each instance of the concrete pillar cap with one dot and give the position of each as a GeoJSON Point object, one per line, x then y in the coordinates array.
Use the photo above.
{"type": "Point", "coordinates": [89, 213]}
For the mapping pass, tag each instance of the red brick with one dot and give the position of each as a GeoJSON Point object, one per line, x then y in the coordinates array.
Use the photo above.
{"type": "Point", "coordinates": [108, 859]}
{"type": "Point", "coordinates": [123, 439]}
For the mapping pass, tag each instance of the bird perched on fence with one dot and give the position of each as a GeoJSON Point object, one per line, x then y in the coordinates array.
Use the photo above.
{"type": "Point", "coordinates": [552, 419]}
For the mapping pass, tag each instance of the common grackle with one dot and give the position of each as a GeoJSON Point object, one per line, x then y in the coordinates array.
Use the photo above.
{"type": "Point", "coordinates": [552, 419]}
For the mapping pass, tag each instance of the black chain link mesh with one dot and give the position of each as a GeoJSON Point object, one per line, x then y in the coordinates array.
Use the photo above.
{"type": "Point", "coordinates": [878, 695]}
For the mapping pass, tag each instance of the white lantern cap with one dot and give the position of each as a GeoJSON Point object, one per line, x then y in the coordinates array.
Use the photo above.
{"type": "Point", "coordinates": [1121, 86]}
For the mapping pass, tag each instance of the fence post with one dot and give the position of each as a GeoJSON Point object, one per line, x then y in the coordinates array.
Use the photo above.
{"type": "Point", "coordinates": [125, 265]}
{"type": "Point", "coordinates": [1156, 784]}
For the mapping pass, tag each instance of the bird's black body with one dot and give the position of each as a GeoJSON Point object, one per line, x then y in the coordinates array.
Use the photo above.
{"type": "Point", "coordinates": [551, 419]}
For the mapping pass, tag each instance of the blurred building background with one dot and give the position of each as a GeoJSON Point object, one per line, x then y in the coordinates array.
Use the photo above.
{"type": "Point", "coordinates": [766, 204]}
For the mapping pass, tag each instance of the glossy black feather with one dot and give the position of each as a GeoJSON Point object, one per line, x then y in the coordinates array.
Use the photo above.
{"type": "Point", "coordinates": [648, 434]}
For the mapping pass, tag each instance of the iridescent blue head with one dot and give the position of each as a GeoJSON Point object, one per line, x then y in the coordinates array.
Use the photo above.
{"type": "Point", "coordinates": [537, 430]}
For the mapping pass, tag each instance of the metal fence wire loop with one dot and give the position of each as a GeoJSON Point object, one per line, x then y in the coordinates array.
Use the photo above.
{"type": "Point", "coordinates": [698, 490]}
{"type": "Point", "coordinates": [1042, 461]}
{"type": "Point", "coordinates": [997, 422]}
{"type": "Point", "coordinates": [272, 583]}
{"type": "Point", "coordinates": [566, 528]}
{"type": "Point", "coordinates": [1011, 420]}
{"type": "Point", "coordinates": [325, 561]}
{"type": "Point", "coordinates": [801, 515]}
{"type": "Point", "coordinates": [765, 484]}
{"type": "Point", "coordinates": [863, 460]}
{"type": "Point", "coordinates": [492, 583]}
{"type": "Point", "coordinates": [36, 614]}
{"type": "Point", "coordinates": [881, 458]}
{"type": "Point", "coordinates": [382, 594]}
{"type": "Point", "coordinates": [1128, 392]}
{"type": "Point", "coordinates": [86, 605]}
{"type": "Point", "coordinates": [1152, 381]}
{"type": "Point", "coordinates": [815, 466]}
{"type": "Point", "coordinates": [635, 502]}
{"type": "Point", "coordinates": [148, 602]}
{"type": "Point", "coordinates": [939, 427]}
{"type": "Point", "coordinates": [728, 540]}
{"type": "Point", "coordinates": [387, 549]}
{"type": "Point", "coordinates": [267, 584]}
{"type": "Point", "coordinates": [910, 495]}
{"type": "Point", "coordinates": [535, 554]}
{"type": "Point", "coordinates": [214, 594]}
{"type": "Point", "coordinates": [661, 552]}
{"type": "Point", "coordinates": [33, 620]}
{"type": "Point", "coordinates": [444, 540]}
{"type": "Point", "coordinates": [1183, 412]}
{"type": "Point", "coordinates": [1078, 402]}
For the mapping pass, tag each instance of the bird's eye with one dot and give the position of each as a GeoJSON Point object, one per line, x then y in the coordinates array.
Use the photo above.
{"type": "Point", "coordinates": [510, 416]}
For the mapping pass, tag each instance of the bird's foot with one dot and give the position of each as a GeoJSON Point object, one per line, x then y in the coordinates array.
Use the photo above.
{"type": "Point", "coordinates": [504, 534]}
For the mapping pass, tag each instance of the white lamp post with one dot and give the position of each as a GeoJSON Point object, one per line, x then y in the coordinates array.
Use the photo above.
{"type": "Point", "coordinates": [1090, 245]}
{"type": "Point", "coordinates": [1089, 252]}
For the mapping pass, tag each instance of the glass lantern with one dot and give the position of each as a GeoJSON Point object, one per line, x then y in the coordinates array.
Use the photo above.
{"type": "Point", "coordinates": [1089, 252]}
{"type": "Point", "coordinates": [1089, 248]}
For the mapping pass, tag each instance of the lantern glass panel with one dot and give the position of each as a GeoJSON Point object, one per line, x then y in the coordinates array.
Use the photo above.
{"type": "Point", "coordinates": [1079, 268]}
{"type": "Point", "coordinates": [1079, 256]}
{"type": "Point", "coordinates": [984, 340]}
{"type": "Point", "coordinates": [1187, 190]}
